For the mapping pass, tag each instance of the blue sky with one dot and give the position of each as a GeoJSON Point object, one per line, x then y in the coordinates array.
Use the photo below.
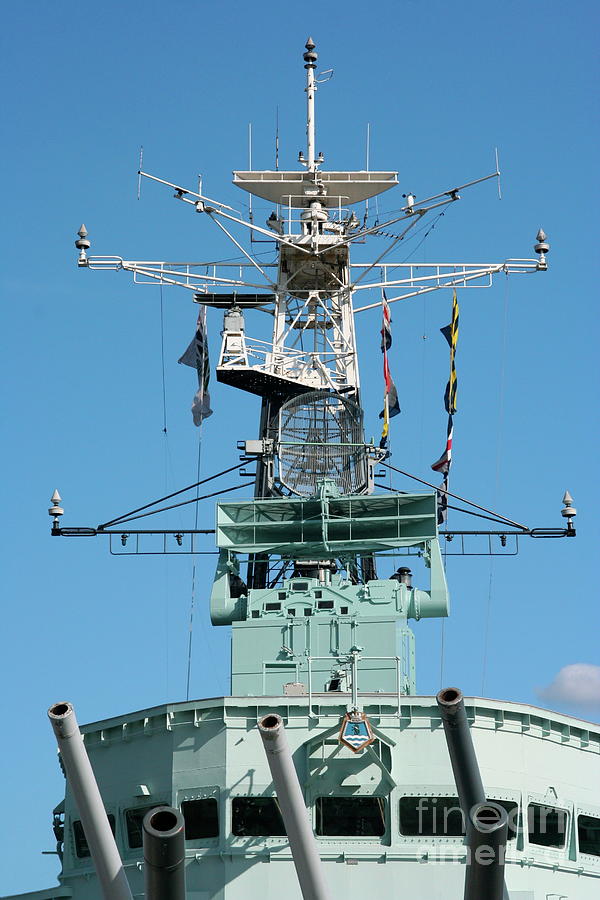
{"type": "Point", "coordinates": [441, 85]}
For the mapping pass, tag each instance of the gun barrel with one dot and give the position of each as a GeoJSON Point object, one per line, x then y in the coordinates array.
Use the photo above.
{"type": "Point", "coordinates": [80, 775]}
{"type": "Point", "coordinates": [163, 832]}
{"type": "Point", "coordinates": [460, 747]}
{"type": "Point", "coordinates": [467, 776]}
{"type": "Point", "coordinates": [295, 817]}
{"type": "Point", "coordinates": [487, 832]}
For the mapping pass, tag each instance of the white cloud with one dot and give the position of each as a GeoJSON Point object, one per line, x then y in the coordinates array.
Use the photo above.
{"type": "Point", "coordinates": [574, 685]}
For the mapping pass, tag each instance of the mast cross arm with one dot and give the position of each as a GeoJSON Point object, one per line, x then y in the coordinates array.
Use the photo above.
{"type": "Point", "coordinates": [182, 274]}
{"type": "Point", "coordinates": [412, 279]}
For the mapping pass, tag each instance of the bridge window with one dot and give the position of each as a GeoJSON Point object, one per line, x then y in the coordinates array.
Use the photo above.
{"type": "Point", "coordinates": [256, 817]}
{"type": "Point", "coordinates": [81, 845]}
{"type": "Point", "coordinates": [133, 821]}
{"type": "Point", "coordinates": [442, 817]}
{"type": "Point", "coordinates": [350, 816]}
{"type": "Point", "coordinates": [431, 817]}
{"type": "Point", "coordinates": [547, 825]}
{"type": "Point", "coordinates": [588, 832]}
{"type": "Point", "coordinates": [201, 818]}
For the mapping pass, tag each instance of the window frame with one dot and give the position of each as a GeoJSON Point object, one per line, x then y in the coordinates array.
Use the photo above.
{"type": "Point", "coordinates": [591, 813]}
{"type": "Point", "coordinates": [207, 792]}
{"type": "Point", "coordinates": [560, 807]}
{"type": "Point", "coordinates": [252, 837]}
{"type": "Point", "coordinates": [342, 838]}
{"type": "Point", "coordinates": [416, 791]}
{"type": "Point", "coordinates": [82, 858]}
{"type": "Point", "coordinates": [446, 793]}
{"type": "Point", "coordinates": [132, 809]}
{"type": "Point", "coordinates": [440, 795]}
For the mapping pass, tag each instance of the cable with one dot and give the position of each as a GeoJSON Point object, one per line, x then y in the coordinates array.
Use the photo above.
{"type": "Point", "coordinates": [126, 515]}
{"type": "Point", "coordinates": [193, 595]}
{"type": "Point", "coordinates": [429, 230]}
{"type": "Point", "coordinates": [167, 604]}
{"type": "Point", "coordinates": [488, 611]}
{"type": "Point", "coordinates": [456, 496]}
{"type": "Point", "coordinates": [486, 627]}
{"type": "Point", "coordinates": [442, 636]}
{"type": "Point", "coordinates": [153, 512]}
{"type": "Point", "coordinates": [162, 360]}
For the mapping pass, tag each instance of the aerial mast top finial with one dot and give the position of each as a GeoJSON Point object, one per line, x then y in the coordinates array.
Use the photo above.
{"type": "Point", "coordinates": [310, 64]}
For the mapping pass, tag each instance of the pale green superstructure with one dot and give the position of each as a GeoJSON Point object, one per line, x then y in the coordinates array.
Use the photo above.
{"type": "Point", "coordinates": [307, 629]}
{"type": "Point", "coordinates": [319, 637]}
{"type": "Point", "coordinates": [211, 749]}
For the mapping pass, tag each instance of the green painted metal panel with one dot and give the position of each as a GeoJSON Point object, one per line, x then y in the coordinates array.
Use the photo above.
{"type": "Point", "coordinates": [325, 526]}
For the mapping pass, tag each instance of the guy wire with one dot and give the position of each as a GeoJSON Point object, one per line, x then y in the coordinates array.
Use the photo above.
{"type": "Point", "coordinates": [488, 611]}
{"type": "Point", "coordinates": [193, 595]}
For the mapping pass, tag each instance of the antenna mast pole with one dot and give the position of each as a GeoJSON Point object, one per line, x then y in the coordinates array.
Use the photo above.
{"type": "Point", "coordinates": [310, 64]}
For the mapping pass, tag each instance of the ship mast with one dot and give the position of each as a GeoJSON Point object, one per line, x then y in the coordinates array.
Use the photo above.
{"type": "Point", "coordinates": [311, 420]}
{"type": "Point", "coordinates": [310, 60]}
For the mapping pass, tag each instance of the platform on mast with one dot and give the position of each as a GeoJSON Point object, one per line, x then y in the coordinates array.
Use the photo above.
{"type": "Point", "coordinates": [331, 189]}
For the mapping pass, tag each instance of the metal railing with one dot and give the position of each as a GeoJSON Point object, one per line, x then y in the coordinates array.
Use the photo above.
{"type": "Point", "coordinates": [352, 659]}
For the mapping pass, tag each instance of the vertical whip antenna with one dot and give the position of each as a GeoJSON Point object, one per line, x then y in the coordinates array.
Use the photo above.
{"type": "Point", "coordinates": [139, 184]}
{"type": "Point", "coordinates": [498, 174]}
{"type": "Point", "coordinates": [367, 164]}
{"type": "Point", "coordinates": [250, 215]}
{"type": "Point", "coordinates": [310, 64]}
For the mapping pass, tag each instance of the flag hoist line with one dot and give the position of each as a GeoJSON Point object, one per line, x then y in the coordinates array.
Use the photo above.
{"type": "Point", "coordinates": [443, 464]}
{"type": "Point", "coordinates": [391, 406]}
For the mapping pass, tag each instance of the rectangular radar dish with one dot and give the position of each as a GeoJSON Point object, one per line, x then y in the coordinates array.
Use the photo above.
{"type": "Point", "coordinates": [332, 189]}
{"type": "Point", "coordinates": [311, 528]}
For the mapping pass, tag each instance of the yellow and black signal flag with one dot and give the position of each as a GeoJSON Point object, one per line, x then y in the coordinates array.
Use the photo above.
{"type": "Point", "coordinates": [443, 464]}
{"type": "Point", "coordinates": [450, 332]}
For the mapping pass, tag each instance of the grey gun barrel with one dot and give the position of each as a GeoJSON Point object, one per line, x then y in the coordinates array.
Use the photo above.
{"type": "Point", "coordinates": [295, 817]}
{"type": "Point", "coordinates": [163, 831]}
{"type": "Point", "coordinates": [487, 832]}
{"type": "Point", "coordinates": [96, 827]}
{"type": "Point", "coordinates": [460, 747]}
{"type": "Point", "coordinates": [465, 769]}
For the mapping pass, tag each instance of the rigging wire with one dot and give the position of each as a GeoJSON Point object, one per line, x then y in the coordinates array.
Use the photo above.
{"type": "Point", "coordinates": [193, 591]}
{"type": "Point", "coordinates": [427, 233]}
{"type": "Point", "coordinates": [196, 500]}
{"type": "Point", "coordinates": [424, 345]}
{"type": "Point", "coordinates": [166, 479]}
{"type": "Point", "coordinates": [162, 361]}
{"type": "Point", "coordinates": [442, 644]}
{"type": "Point", "coordinates": [118, 519]}
{"type": "Point", "coordinates": [411, 237]}
{"type": "Point", "coordinates": [500, 429]}
{"type": "Point", "coordinates": [153, 512]}
{"type": "Point", "coordinates": [457, 497]}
